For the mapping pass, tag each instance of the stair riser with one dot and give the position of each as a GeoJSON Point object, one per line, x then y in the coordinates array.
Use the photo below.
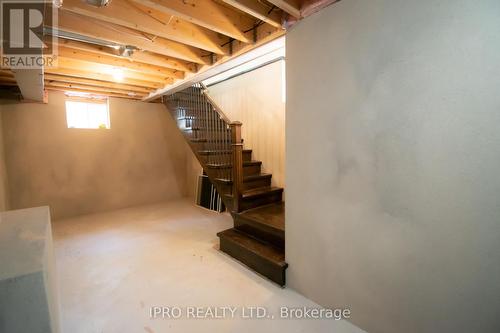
{"type": "Point", "coordinates": [248, 185]}
{"type": "Point", "coordinates": [273, 272]}
{"type": "Point", "coordinates": [226, 158]}
{"type": "Point", "coordinates": [249, 203]}
{"type": "Point", "coordinates": [216, 158]}
{"type": "Point", "coordinates": [249, 170]}
{"type": "Point", "coordinates": [260, 231]}
{"type": "Point", "coordinates": [259, 182]}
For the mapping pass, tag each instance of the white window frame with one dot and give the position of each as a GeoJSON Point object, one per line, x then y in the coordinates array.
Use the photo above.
{"type": "Point", "coordinates": [88, 123]}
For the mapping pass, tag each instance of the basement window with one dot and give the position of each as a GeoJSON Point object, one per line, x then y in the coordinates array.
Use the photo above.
{"type": "Point", "coordinates": [87, 114]}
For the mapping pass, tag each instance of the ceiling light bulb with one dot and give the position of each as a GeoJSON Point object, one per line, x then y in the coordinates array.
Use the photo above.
{"type": "Point", "coordinates": [118, 74]}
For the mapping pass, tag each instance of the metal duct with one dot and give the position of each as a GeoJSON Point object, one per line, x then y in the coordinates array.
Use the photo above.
{"type": "Point", "coordinates": [123, 50]}
{"type": "Point", "coordinates": [98, 3]}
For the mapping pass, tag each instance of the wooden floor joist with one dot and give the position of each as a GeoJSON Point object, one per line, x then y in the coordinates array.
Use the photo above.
{"type": "Point", "coordinates": [138, 55]}
{"type": "Point", "coordinates": [7, 79]}
{"type": "Point", "coordinates": [258, 10]}
{"type": "Point", "coordinates": [6, 72]}
{"type": "Point", "coordinates": [94, 92]}
{"type": "Point", "coordinates": [138, 17]}
{"type": "Point", "coordinates": [142, 47]}
{"type": "Point", "coordinates": [291, 7]}
{"type": "Point", "coordinates": [206, 13]}
{"type": "Point", "coordinates": [112, 70]}
{"type": "Point", "coordinates": [87, 26]}
{"type": "Point", "coordinates": [119, 62]}
{"type": "Point", "coordinates": [97, 83]}
{"type": "Point", "coordinates": [94, 88]}
{"type": "Point", "coordinates": [80, 73]}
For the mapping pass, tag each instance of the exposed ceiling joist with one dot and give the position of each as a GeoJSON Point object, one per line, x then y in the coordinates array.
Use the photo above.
{"type": "Point", "coordinates": [8, 83]}
{"type": "Point", "coordinates": [140, 56]}
{"type": "Point", "coordinates": [82, 73]}
{"type": "Point", "coordinates": [94, 88]}
{"type": "Point", "coordinates": [206, 13]}
{"type": "Point", "coordinates": [258, 10]}
{"type": "Point", "coordinates": [97, 83]}
{"type": "Point", "coordinates": [111, 70]}
{"type": "Point", "coordinates": [135, 16]}
{"type": "Point", "coordinates": [91, 91]}
{"type": "Point", "coordinates": [6, 79]}
{"type": "Point", "coordinates": [143, 46]}
{"type": "Point", "coordinates": [119, 62]}
{"type": "Point", "coordinates": [118, 34]}
{"type": "Point", "coordinates": [6, 72]}
{"type": "Point", "coordinates": [292, 7]}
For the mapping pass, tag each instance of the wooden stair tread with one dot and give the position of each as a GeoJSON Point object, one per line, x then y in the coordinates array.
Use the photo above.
{"type": "Point", "coordinates": [260, 191]}
{"type": "Point", "coordinates": [266, 251]}
{"type": "Point", "coordinates": [272, 215]}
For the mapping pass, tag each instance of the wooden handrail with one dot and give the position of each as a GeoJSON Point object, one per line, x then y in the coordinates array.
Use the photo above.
{"type": "Point", "coordinates": [216, 107]}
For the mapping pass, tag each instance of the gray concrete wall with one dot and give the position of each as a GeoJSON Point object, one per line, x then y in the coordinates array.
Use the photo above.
{"type": "Point", "coordinates": [393, 157]}
{"type": "Point", "coordinates": [140, 160]}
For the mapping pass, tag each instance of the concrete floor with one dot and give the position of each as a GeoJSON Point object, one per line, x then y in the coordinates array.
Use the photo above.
{"type": "Point", "coordinates": [113, 267]}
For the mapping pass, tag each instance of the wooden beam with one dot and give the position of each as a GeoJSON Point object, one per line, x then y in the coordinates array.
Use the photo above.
{"type": "Point", "coordinates": [7, 79]}
{"type": "Point", "coordinates": [6, 72]}
{"type": "Point", "coordinates": [90, 91]}
{"type": "Point", "coordinates": [82, 73]}
{"type": "Point", "coordinates": [87, 26]}
{"type": "Point", "coordinates": [292, 7]}
{"type": "Point", "coordinates": [119, 62]}
{"type": "Point", "coordinates": [8, 83]}
{"type": "Point", "coordinates": [257, 10]}
{"type": "Point", "coordinates": [94, 88]}
{"type": "Point", "coordinates": [89, 82]}
{"type": "Point", "coordinates": [206, 13]}
{"type": "Point", "coordinates": [110, 70]}
{"type": "Point", "coordinates": [140, 56]}
{"type": "Point", "coordinates": [138, 17]}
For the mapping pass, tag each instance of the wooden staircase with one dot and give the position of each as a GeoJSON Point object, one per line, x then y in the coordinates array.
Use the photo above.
{"type": "Point", "coordinates": [258, 236]}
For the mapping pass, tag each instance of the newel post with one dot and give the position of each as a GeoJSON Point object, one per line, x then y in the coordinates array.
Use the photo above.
{"type": "Point", "coordinates": [237, 146]}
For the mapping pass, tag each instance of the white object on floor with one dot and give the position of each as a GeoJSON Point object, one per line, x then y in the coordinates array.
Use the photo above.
{"type": "Point", "coordinates": [28, 291]}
